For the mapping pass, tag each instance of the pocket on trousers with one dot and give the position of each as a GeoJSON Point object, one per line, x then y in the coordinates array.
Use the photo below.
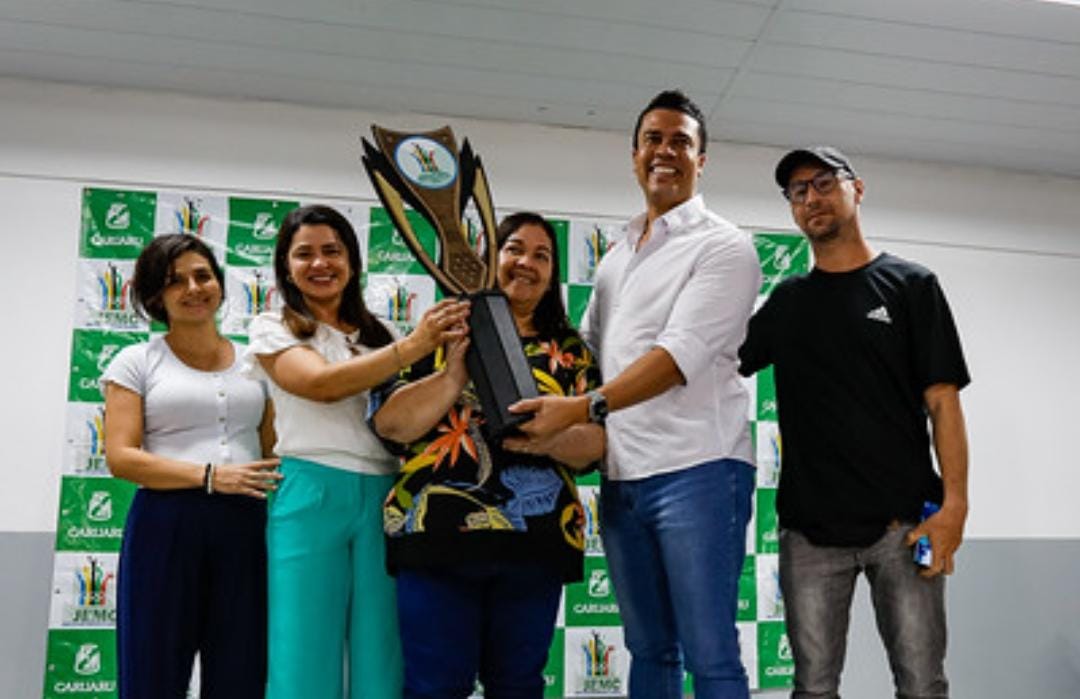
{"type": "Point", "coordinates": [299, 493]}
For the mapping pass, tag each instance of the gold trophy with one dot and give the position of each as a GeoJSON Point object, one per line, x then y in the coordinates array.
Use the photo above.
{"type": "Point", "coordinates": [425, 172]}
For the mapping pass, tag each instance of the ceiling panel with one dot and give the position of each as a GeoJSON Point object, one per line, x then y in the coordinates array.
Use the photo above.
{"type": "Point", "coordinates": [993, 82]}
{"type": "Point", "coordinates": [733, 18]}
{"type": "Point", "coordinates": [713, 17]}
{"type": "Point", "coordinates": [923, 43]}
{"type": "Point", "coordinates": [391, 34]}
{"type": "Point", "coordinates": [245, 64]}
{"type": "Point", "coordinates": [904, 147]}
{"type": "Point", "coordinates": [780, 112]}
{"type": "Point", "coordinates": [474, 23]}
{"type": "Point", "coordinates": [322, 90]}
{"type": "Point", "coordinates": [1022, 18]}
{"type": "Point", "coordinates": [906, 73]}
{"type": "Point", "coordinates": [335, 52]}
{"type": "Point", "coordinates": [874, 99]}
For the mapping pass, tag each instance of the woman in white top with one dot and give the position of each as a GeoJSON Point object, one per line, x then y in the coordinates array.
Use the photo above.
{"type": "Point", "coordinates": [183, 422]}
{"type": "Point", "coordinates": [328, 584]}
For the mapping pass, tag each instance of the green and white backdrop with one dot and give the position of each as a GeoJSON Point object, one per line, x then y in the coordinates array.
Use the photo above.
{"type": "Point", "coordinates": [588, 657]}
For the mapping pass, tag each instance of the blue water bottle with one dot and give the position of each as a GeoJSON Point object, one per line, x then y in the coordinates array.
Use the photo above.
{"type": "Point", "coordinates": [923, 554]}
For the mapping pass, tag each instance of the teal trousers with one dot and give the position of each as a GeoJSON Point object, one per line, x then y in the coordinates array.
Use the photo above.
{"type": "Point", "coordinates": [332, 606]}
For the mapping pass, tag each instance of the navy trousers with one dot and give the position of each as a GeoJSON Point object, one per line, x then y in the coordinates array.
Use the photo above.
{"type": "Point", "coordinates": [192, 578]}
{"type": "Point", "coordinates": [495, 620]}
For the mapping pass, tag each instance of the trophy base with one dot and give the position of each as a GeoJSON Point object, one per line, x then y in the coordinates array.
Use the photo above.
{"type": "Point", "coordinates": [497, 364]}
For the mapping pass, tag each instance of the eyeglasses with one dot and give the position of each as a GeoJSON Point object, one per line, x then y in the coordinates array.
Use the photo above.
{"type": "Point", "coordinates": [823, 183]}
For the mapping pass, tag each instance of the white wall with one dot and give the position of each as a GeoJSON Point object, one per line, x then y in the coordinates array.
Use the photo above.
{"type": "Point", "coordinates": [1005, 245]}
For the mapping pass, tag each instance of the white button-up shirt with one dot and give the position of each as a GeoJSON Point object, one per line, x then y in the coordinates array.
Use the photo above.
{"type": "Point", "coordinates": [189, 414]}
{"type": "Point", "coordinates": [690, 290]}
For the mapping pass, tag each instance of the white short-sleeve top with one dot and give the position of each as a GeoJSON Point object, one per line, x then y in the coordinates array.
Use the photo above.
{"type": "Point", "coordinates": [190, 414]}
{"type": "Point", "coordinates": [334, 434]}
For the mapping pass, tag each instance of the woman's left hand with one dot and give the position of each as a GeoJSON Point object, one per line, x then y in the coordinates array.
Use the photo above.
{"type": "Point", "coordinates": [528, 445]}
{"type": "Point", "coordinates": [444, 322]}
{"type": "Point", "coordinates": [455, 361]}
{"type": "Point", "coordinates": [578, 447]}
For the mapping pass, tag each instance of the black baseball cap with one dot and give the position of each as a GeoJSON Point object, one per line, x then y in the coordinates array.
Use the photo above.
{"type": "Point", "coordinates": [823, 155]}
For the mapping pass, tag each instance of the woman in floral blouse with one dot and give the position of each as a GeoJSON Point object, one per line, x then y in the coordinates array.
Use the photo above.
{"type": "Point", "coordinates": [482, 539]}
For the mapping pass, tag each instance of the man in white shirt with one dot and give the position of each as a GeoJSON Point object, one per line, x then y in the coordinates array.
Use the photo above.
{"type": "Point", "coordinates": [667, 316]}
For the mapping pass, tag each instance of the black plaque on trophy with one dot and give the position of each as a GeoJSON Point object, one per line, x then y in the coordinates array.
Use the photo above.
{"type": "Point", "coordinates": [425, 172]}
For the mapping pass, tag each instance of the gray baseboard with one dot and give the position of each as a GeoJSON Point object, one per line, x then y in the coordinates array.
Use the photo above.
{"type": "Point", "coordinates": [1014, 622]}
{"type": "Point", "coordinates": [24, 607]}
{"type": "Point", "coordinates": [1013, 610]}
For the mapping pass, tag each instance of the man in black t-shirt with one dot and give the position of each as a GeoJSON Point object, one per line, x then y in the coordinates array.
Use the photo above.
{"type": "Point", "coordinates": [864, 350]}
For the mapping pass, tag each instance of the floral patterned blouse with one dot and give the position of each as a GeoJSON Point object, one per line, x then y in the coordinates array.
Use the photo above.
{"type": "Point", "coordinates": [459, 499]}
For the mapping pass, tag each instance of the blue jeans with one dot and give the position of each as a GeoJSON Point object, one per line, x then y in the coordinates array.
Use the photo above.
{"type": "Point", "coordinates": [818, 582]}
{"type": "Point", "coordinates": [495, 620]}
{"type": "Point", "coordinates": [675, 545]}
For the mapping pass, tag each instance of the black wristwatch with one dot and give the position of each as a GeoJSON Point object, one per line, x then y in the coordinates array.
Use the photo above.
{"type": "Point", "coordinates": [597, 407]}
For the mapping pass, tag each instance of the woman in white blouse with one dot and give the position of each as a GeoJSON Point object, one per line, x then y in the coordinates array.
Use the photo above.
{"type": "Point", "coordinates": [183, 422]}
{"type": "Point", "coordinates": [328, 584]}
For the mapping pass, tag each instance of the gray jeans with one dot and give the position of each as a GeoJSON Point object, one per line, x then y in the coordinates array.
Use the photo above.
{"type": "Point", "coordinates": [818, 582]}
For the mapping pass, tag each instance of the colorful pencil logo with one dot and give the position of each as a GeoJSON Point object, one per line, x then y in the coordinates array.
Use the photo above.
{"type": "Point", "coordinates": [190, 219]}
{"type": "Point", "coordinates": [597, 656]}
{"type": "Point", "coordinates": [114, 293]}
{"type": "Point", "coordinates": [399, 304]}
{"type": "Point", "coordinates": [93, 584]}
{"type": "Point", "coordinates": [95, 432]}
{"type": "Point", "coordinates": [258, 293]}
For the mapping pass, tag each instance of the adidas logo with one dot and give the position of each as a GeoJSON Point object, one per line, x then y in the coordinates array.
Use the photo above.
{"type": "Point", "coordinates": [880, 314]}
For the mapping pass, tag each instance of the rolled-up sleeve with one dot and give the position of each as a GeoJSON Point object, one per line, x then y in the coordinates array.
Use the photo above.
{"type": "Point", "coordinates": [708, 321]}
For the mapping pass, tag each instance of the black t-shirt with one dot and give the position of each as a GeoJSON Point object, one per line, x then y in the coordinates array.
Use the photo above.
{"type": "Point", "coordinates": [853, 353]}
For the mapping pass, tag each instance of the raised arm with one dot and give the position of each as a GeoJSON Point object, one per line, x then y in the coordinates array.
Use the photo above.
{"type": "Point", "coordinates": [302, 371]}
{"type": "Point", "coordinates": [412, 410]}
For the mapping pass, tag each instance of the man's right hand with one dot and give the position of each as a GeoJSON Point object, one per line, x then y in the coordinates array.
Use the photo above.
{"type": "Point", "coordinates": [551, 414]}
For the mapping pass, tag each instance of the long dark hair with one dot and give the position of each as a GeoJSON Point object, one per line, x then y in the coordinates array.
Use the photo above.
{"type": "Point", "coordinates": [154, 270]}
{"type": "Point", "coordinates": [549, 316]}
{"type": "Point", "coordinates": [296, 314]}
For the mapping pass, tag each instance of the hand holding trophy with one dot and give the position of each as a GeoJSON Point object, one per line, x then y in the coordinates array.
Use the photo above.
{"type": "Point", "coordinates": [426, 172]}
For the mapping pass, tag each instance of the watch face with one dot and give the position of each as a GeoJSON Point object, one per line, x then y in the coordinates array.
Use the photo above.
{"type": "Point", "coordinates": [597, 407]}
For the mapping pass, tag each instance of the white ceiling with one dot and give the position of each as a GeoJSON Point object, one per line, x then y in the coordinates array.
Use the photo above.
{"type": "Point", "coordinates": [984, 82]}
